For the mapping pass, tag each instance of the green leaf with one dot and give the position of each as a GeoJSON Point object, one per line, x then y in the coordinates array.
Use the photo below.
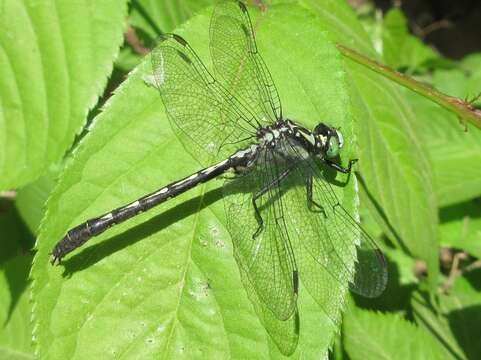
{"type": "Point", "coordinates": [462, 82]}
{"type": "Point", "coordinates": [461, 227]}
{"type": "Point", "coordinates": [452, 150]}
{"type": "Point", "coordinates": [458, 317]}
{"type": "Point", "coordinates": [162, 281]}
{"type": "Point", "coordinates": [372, 335]}
{"type": "Point", "coordinates": [400, 48]}
{"type": "Point", "coordinates": [462, 310]}
{"type": "Point", "coordinates": [472, 65]}
{"type": "Point", "coordinates": [156, 17]}
{"type": "Point", "coordinates": [452, 82]}
{"type": "Point", "coordinates": [15, 309]}
{"type": "Point", "coordinates": [428, 318]}
{"type": "Point", "coordinates": [31, 199]}
{"type": "Point", "coordinates": [406, 266]}
{"type": "Point", "coordinates": [339, 18]}
{"type": "Point", "coordinates": [53, 67]}
{"type": "Point", "coordinates": [128, 59]}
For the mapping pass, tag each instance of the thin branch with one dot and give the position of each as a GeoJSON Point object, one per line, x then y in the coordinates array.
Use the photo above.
{"type": "Point", "coordinates": [9, 194]}
{"type": "Point", "coordinates": [455, 271]}
{"type": "Point", "coordinates": [422, 32]}
{"type": "Point", "coordinates": [464, 109]}
{"type": "Point", "coordinates": [133, 40]}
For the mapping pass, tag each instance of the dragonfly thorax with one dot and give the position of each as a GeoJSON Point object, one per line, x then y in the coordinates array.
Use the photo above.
{"type": "Point", "coordinates": [324, 141]}
{"type": "Point", "coordinates": [270, 135]}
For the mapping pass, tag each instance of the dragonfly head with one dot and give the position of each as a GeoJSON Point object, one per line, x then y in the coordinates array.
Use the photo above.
{"type": "Point", "coordinates": [330, 138]}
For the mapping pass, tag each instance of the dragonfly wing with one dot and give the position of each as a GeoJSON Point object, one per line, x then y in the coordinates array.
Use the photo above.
{"type": "Point", "coordinates": [238, 64]}
{"type": "Point", "coordinates": [285, 333]}
{"type": "Point", "coordinates": [206, 117]}
{"type": "Point", "coordinates": [267, 259]}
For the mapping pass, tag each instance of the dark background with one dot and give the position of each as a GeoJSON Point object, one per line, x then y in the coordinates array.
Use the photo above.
{"type": "Point", "coordinates": [452, 26]}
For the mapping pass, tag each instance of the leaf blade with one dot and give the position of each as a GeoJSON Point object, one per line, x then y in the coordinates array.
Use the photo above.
{"type": "Point", "coordinates": [129, 152]}
{"type": "Point", "coordinates": [53, 74]}
{"type": "Point", "coordinates": [371, 335]}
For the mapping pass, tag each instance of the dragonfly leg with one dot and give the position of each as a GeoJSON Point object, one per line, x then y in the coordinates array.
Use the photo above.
{"type": "Point", "coordinates": [337, 167]}
{"type": "Point", "coordinates": [258, 194]}
{"type": "Point", "coordinates": [310, 200]}
{"type": "Point", "coordinates": [260, 222]}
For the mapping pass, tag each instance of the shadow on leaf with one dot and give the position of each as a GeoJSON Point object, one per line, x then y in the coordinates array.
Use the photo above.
{"type": "Point", "coordinates": [91, 255]}
{"type": "Point", "coordinates": [465, 323]}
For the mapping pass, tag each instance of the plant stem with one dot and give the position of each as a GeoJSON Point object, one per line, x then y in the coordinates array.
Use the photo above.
{"type": "Point", "coordinates": [464, 109]}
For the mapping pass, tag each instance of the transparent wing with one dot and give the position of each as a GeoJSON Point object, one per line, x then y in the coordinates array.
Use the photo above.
{"type": "Point", "coordinates": [238, 64]}
{"type": "Point", "coordinates": [328, 234]}
{"type": "Point", "coordinates": [267, 259]}
{"type": "Point", "coordinates": [285, 333]}
{"type": "Point", "coordinates": [208, 119]}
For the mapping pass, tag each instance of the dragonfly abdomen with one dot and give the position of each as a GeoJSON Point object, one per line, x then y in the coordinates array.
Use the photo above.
{"type": "Point", "coordinates": [95, 226]}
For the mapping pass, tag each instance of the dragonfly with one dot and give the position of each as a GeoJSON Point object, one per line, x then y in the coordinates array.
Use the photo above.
{"type": "Point", "coordinates": [281, 211]}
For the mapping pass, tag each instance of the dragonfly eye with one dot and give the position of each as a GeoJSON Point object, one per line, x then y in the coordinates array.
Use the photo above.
{"type": "Point", "coordinates": [333, 147]}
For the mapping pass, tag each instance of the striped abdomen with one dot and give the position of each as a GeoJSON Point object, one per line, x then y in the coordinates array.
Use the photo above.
{"type": "Point", "coordinates": [95, 226]}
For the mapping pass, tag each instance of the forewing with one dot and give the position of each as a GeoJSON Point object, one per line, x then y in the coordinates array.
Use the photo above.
{"type": "Point", "coordinates": [205, 117]}
{"type": "Point", "coordinates": [267, 259]}
{"type": "Point", "coordinates": [332, 238]}
{"type": "Point", "coordinates": [238, 64]}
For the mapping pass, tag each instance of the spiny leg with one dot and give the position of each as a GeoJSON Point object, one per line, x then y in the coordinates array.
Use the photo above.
{"type": "Point", "coordinates": [257, 195]}
{"type": "Point", "coordinates": [310, 200]}
{"type": "Point", "coordinates": [335, 166]}
{"type": "Point", "coordinates": [340, 168]}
